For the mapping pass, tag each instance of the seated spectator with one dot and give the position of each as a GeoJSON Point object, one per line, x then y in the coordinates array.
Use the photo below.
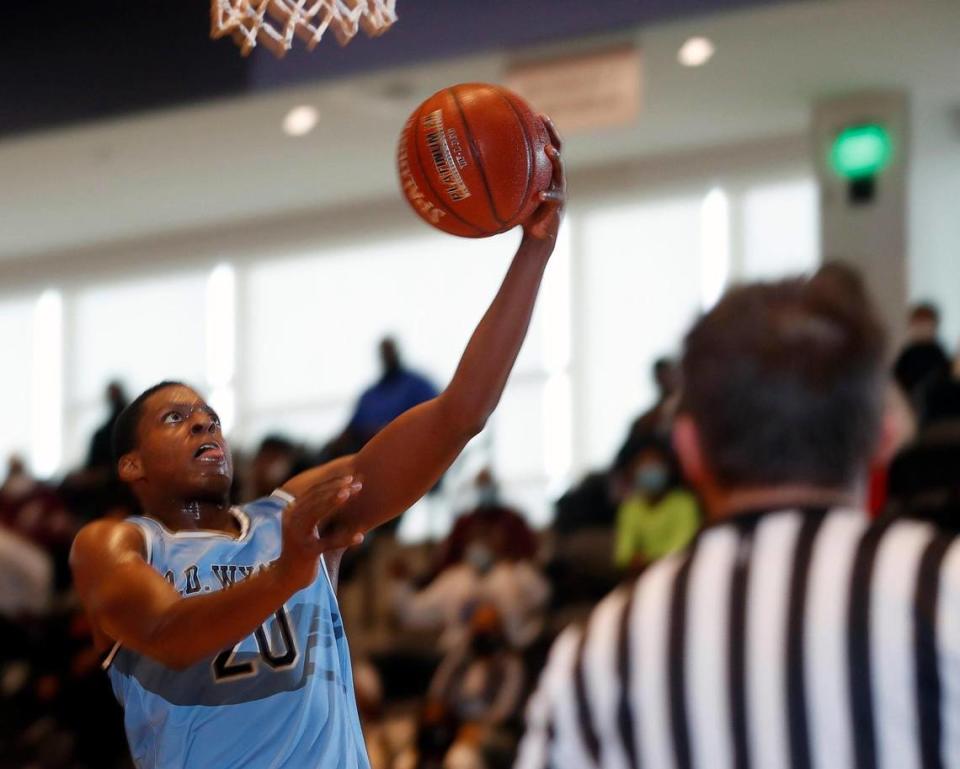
{"type": "Point", "coordinates": [271, 466]}
{"type": "Point", "coordinates": [594, 501]}
{"type": "Point", "coordinates": [486, 574]}
{"type": "Point", "coordinates": [659, 516]}
{"type": "Point", "coordinates": [26, 577]}
{"type": "Point", "coordinates": [922, 362]}
{"type": "Point", "coordinates": [36, 512]}
{"type": "Point", "coordinates": [924, 479]}
{"type": "Point", "coordinates": [481, 685]}
{"type": "Point", "coordinates": [481, 680]}
{"type": "Point", "coordinates": [490, 512]}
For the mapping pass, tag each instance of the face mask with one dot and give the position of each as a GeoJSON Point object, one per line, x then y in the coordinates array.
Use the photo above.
{"type": "Point", "coordinates": [278, 471]}
{"type": "Point", "coordinates": [479, 557]}
{"type": "Point", "coordinates": [487, 496]}
{"type": "Point", "coordinates": [651, 479]}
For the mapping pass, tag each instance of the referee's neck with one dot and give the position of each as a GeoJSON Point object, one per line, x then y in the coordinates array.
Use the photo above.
{"type": "Point", "coordinates": [727, 503]}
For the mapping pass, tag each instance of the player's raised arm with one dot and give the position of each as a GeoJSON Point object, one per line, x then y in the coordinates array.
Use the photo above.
{"type": "Point", "coordinates": [405, 459]}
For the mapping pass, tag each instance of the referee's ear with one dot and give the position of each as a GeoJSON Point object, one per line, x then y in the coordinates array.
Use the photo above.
{"type": "Point", "coordinates": [689, 450]}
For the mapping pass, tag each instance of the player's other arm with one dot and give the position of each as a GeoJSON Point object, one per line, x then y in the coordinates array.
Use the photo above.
{"type": "Point", "coordinates": [405, 459]}
{"type": "Point", "coordinates": [132, 603]}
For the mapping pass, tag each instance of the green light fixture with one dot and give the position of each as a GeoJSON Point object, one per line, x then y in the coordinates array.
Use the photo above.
{"type": "Point", "coordinates": [861, 151]}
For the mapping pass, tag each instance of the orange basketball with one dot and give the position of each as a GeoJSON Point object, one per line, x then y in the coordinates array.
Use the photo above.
{"type": "Point", "coordinates": [472, 160]}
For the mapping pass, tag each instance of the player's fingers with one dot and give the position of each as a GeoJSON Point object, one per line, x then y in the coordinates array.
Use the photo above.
{"type": "Point", "coordinates": [337, 537]}
{"type": "Point", "coordinates": [320, 492]}
{"type": "Point", "coordinates": [553, 197]}
{"type": "Point", "coordinates": [320, 503]}
{"type": "Point", "coordinates": [555, 139]}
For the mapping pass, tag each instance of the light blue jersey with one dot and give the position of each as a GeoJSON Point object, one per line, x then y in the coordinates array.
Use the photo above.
{"type": "Point", "coordinates": [283, 697]}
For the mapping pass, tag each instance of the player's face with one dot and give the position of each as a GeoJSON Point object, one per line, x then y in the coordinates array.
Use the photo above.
{"type": "Point", "coordinates": [181, 446]}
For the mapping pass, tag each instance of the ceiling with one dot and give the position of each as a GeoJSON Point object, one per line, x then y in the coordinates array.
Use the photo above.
{"type": "Point", "coordinates": [69, 62]}
{"type": "Point", "coordinates": [215, 162]}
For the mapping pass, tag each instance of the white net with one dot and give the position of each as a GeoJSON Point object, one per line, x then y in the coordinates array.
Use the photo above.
{"type": "Point", "coordinates": [275, 23]}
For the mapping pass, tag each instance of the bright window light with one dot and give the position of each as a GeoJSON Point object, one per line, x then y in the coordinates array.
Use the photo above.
{"type": "Point", "coordinates": [224, 402]}
{"type": "Point", "coordinates": [221, 324]}
{"type": "Point", "coordinates": [47, 398]}
{"type": "Point", "coordinates": [714, 246]}
{"type": "Point", "coordinates": [300, 120]}
{"type": "Point", "coordinates": [696, 52]}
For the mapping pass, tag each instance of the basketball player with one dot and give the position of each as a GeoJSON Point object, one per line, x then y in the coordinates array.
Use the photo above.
{"type": "Point", "coordinates": [227, 648]}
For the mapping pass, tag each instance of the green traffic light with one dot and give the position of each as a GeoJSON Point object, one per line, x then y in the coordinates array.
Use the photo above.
{"type": "Point", "coordinates": [861, 151]}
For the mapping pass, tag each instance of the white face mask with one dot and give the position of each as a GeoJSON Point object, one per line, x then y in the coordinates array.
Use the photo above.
{"type": "Point", "coordinates": [479, 556]}
{"type": "Point", "coordinates": [278, 471]}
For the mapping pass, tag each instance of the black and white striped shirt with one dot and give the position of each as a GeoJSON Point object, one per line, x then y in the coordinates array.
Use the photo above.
{"type": "Point", "coordinates": [779, 640]}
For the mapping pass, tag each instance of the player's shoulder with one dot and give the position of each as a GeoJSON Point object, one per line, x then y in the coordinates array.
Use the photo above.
{"type": "Point", "coordinates": [108, 533]}
{"type": "Point", "coordinates": [104, 539]}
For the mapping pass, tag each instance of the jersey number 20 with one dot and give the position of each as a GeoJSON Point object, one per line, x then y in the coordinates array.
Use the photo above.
{"type": "Point", "coordinates": [225, 668]}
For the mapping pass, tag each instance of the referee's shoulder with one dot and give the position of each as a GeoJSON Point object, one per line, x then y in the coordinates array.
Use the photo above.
{"type": "Point", "coordinates": [608, 615]}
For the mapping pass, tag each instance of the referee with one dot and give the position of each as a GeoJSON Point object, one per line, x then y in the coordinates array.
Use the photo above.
{"type": "Point", "coordinates": [791, 633]}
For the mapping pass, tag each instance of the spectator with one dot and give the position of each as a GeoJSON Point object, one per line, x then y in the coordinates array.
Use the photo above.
{"type": "Point", "coordinates": [660, 516]}
{"type": "Point", "coordinates": [480, 685]}
{"type": "Point", "coordinates": [922, 362]}
{"type": "Point", "coordinates": [658, 420]}
{"type": "Point", "coordinates": [272, 465]}
{"type": "Point", "coordinates": [26, 577]}
{"type": "Point", "coordinates": [595, 500]}
{"type": "Point", "coordinates": [35, 511]}
{"type": "Point", "coordinates": [517, 589]}
{"type": "Point", "coordinates": [490, 512]}
{"type": "Point", "coordinates": [482, 680]}
{"type": "Point", "coordinates": [924, 479]}
{"type": "Point", "coordinates": [100, 455]}
{"type": "Point", "coordinates": [399, 389]}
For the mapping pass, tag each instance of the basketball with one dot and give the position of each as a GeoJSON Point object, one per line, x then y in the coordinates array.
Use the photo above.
{"type": "Point", "coordinates": [472, 160]}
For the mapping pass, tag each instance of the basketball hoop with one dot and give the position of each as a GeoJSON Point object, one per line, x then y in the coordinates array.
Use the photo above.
{"type": "Point", "coordinates": [274, 23]}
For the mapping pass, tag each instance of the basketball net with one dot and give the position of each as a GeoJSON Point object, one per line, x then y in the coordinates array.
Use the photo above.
{"type": "Point", "coordinates": [274, 23]}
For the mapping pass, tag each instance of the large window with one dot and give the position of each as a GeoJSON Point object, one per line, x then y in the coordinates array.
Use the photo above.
{"type": "Point", "coordinates": [137, 331]}
{"type": "Point", "coordinates": [287, 344]}
{"type": "Point", "coordinates": [640, 289]}
{"type": "Point", "coordinates": [312, 324]}
{"type": "Point", "coordinates": [781, 232]}
{"type": "Point", "coordinates": [16, 333]}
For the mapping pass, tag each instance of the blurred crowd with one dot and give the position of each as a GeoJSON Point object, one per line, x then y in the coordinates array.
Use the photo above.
{"type": "Point", "coordinates": [448, 637]}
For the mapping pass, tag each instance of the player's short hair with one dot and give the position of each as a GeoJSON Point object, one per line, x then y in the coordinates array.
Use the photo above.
{"type": "Point", "coordinates": [785, 381]}
{"type": "Point", "coordinates": [125, 429]}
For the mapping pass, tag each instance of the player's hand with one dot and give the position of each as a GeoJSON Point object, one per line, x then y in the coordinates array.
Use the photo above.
{"type": "Point", "coordinates": [544, 223]}
{"type": "Point", "coordinates": [311, 527]}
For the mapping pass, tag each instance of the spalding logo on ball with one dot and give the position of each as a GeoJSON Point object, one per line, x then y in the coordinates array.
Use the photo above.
{"type": "Point", "coordinates": [472, 160]}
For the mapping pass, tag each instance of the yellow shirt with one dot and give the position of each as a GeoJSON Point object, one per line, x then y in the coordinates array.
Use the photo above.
{"type": "Point", "coordinates": [653, 531]}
